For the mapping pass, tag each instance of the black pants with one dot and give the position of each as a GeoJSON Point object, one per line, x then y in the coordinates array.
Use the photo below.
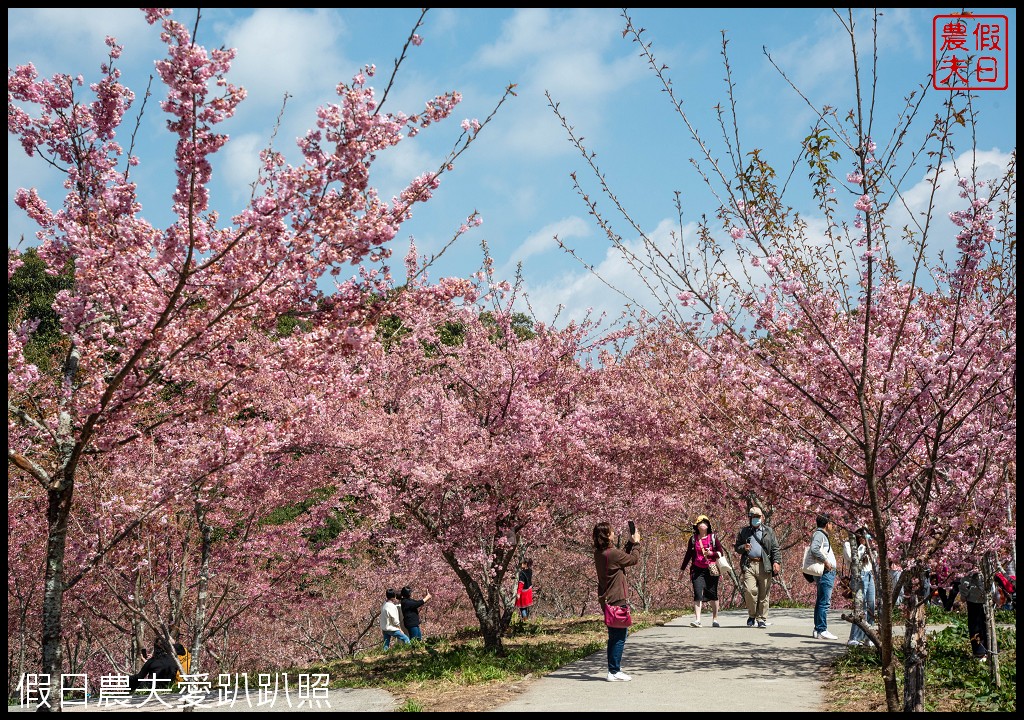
{"type": "Point", "coordinates": [977, 628]}
{"type": "Point", "coordinates": [948, 597]}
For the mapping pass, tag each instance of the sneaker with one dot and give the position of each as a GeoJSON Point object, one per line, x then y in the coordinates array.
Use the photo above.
{"type": "Point", "coordinates": [815, 634]}
{"type": "Point", "coordinates": [762, 624]}
{"type": "Point", "coordinates": [618, 677]}
{"type": "Point", "coordinates": [750, 622]}
{"type": "Point", "coordinates": [854, 643]}
{"type": "Point", "coordinates": [826, 635]}
{"type": "Point", "coordinates": [714, 623]}
{"type": "Point", "coordinates": [612, 678]}
{"type": "Point", "coordinates": [695, 623]}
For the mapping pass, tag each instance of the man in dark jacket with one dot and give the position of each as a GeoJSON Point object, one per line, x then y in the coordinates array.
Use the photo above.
{"type": "Point", "coordinates": [760, 561]}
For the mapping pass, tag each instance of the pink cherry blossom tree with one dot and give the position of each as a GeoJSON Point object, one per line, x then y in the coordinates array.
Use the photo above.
{"type": "Point", "coordinates": [486, 443]}
{"type": "Point", "coordinates": [166, 326]}
{"type": "Point", "coordinates": [878, 370]}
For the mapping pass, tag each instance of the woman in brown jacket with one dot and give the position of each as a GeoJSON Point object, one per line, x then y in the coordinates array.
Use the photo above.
{"type": "Point", "coordinates": [612, 588]}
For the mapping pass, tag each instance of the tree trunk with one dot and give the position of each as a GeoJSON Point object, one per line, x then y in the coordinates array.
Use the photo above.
{"type": "Point", "coordinates": [202, 589]}
{"type": "Point", "coordinates": [987, 574]}
{"type": "Point", "coordinates": [857, 616]}
{"type": "Point", "coordinates": [493, 613]}
{"type": "Point", "coordinates": [57, 514]}
{"type": "Point", "coordinates": [491, 629]}
{"type": "Point", "coordinates": [493, 609]}
{"type": "Point", "coordinates": [915, 645]}
{"type": "Point", "coordinates": [886, 591]}
{"type": "Point", "coordinates": [138, 626]}
{"type": "Point", "coordinates": [22, 649]}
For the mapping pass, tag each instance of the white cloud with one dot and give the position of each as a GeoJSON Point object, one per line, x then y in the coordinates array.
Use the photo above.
{"type": "Point", "coordinates": [70, 31]}
{"type": "Point", "coordinates": [241, 164]}
{"type": "Point", "coordinates": [906, 29]}
{"type": "Point", "coordinates": [577, 56]}
{"type": "Point", "coordinates": [614, 282]}
{"type": "Point", "coordinates": [543, 241]}
{"type": "Point", "coordinates": [988, 165]}
{"type": "Point", "coordinates": [282, 51]}
{"type": "Point", "coordinates": [612, 285]}
{"type": "Point", "coordinates": [442, 21]}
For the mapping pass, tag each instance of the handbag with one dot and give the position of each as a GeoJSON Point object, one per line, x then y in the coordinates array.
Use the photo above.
{"type": "Point", "coordinates": [811, 567]}
{"type": "Point", "coordinates": [721, 563]}
{"type": "Point", "coordinates": [617, 616]}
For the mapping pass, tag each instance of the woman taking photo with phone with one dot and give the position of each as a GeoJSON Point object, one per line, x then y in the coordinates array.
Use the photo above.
{"type": "Point", "coordinates": [613, 591]}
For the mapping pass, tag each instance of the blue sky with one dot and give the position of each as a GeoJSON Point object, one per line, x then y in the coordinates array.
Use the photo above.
{"type": "Point", "coordinates": [517, 173]}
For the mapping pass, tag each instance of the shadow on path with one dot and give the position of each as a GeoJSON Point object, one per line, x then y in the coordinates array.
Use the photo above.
{"type": "Point", "coordinates": [677, 667]}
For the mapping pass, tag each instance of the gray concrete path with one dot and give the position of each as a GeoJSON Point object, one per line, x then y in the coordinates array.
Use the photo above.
{"type": "Point", "coordinates": [680, 668]}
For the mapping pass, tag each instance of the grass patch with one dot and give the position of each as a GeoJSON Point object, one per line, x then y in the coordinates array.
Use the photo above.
{"type": "Point", "coordinates": [411, 705]}
{"type": "Point", "coordinates": [447, 673]}
{"type": "Point", "coordinates": [954, 680]}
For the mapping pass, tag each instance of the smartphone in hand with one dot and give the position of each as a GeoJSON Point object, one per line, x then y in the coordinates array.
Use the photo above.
{"type": "Point", "coordinates": [632, 529]}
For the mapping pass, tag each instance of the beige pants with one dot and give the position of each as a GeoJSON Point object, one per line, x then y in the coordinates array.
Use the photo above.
{"type": "Point", "coordinates": [756, 584]}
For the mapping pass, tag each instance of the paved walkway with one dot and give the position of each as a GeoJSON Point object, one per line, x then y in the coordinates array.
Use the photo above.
{"type": "Point", "coordinates": [676, 667]}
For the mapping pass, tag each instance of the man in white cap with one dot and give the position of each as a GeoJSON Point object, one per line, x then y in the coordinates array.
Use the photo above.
{"type": "Point", "coordinates": [761, 558]}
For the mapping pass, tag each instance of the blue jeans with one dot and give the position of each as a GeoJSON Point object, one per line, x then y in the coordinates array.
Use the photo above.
{"type": "Point", "coordinates": [616, 643]}
{"type": "Point", "coordinates": [825, 584]}
{"type": "Point", "coordinates": [415, 633]}
{"type": "Point", "coordinates": [397, 634]}
{"type": "Point", "coordinates": [868, 581]}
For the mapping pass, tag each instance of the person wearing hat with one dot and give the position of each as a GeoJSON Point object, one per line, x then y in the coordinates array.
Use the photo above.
{"type": "Point", "coordinates": [760, 561]}
{"type": "Point", "coordinates": [703, 550]}
{"type": "Point", "coordinates": [821, 550]}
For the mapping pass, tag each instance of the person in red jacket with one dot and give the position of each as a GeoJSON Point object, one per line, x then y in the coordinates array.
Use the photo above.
{"type": "Point", "coordinates": [524, 588]}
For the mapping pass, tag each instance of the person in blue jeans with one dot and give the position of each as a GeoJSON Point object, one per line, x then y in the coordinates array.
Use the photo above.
{"type": "Point", "coordinates": [859, 560]}
{"type": "Point", "coordinates": [390, 621]}
{"type": "Point", "coordinates": [411, 612]}
{"type": "Point", "coordinates": [613, 589]}
{"type": "Point", "coordinates": [821, 551]}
